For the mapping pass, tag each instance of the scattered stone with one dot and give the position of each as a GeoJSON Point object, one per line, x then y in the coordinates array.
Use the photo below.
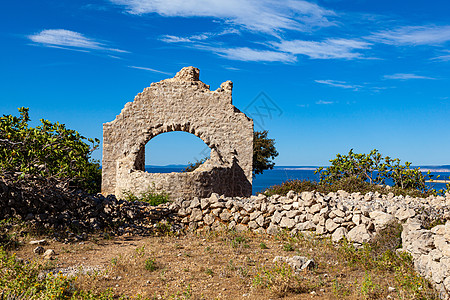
{"type": "Point", "coordinates": [39, 250]}
{"type": "Point", "coordinates": [39, 242]}
{"type": "Point", "coordinates": [49, 254]}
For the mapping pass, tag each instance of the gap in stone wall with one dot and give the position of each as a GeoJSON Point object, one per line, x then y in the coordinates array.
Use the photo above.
{"type": "Point", "coordinates": [174, 148]}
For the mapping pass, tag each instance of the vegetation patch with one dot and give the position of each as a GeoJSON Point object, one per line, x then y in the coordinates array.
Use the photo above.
{"type": "Point", "coordinates": [47, 152]}
{"type": "Point", "coordinates": [150, 196]}
{"type": "Point", "coordinates": [364, 173]}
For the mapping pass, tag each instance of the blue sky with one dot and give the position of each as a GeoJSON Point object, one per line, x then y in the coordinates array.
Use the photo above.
{"type": "Point", "coordinates": [322, 76]}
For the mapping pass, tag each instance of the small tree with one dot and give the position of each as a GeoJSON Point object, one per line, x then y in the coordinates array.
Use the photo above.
{"type": "Point", "coordinates": [263, 152]}
{"type": "Point", "coordinates": [375, 169]}
{"type": "Point", "coordinates": [49, 151]}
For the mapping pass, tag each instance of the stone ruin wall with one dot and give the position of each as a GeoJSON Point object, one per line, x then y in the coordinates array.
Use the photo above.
{"type": "Point", "coordinates": [183, 103]}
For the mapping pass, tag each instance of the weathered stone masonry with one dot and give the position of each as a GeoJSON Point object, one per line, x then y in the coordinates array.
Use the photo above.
{"type": "Point", "coordinates": [182, 103]}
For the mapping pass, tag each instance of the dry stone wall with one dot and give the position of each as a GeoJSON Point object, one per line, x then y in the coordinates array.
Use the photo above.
{"type": "Point", "coordinates": [182, 103]}
{"type": "Point", "coordinates": [356, 217]}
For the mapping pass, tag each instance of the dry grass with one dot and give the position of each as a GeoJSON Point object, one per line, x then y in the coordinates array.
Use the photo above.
{"type": "Point", "coordinates": [230, 265]}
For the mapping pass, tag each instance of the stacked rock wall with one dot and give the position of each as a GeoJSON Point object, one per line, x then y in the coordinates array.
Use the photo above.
{"type": "Point", "coordinates": [182, 103]}
{"type": "Point", "coordinates": [356, 217]}
{"type": "Point", "coordinates": [430, 249]}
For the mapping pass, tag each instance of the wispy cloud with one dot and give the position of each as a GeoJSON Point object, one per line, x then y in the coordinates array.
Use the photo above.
{"type": "Point", "coordinates": [444, 57]}
{"type": "Point", "coordinates": [248, 54]}
{"type": "Point", "coordinates": [178, 39]}
{"type": "Point", "coordinates": [149, 69]}
{"type": "Point", "coordinates": [328, 49]}
{"type": "Point", "coordinates": [231, 68]}
{"type": "Point", "coordinates": [322, 102]}
{"type": "Point", "coordinates": [70, 40]}
{"type": "Point", "coordinates": [340, 84]}
{"type": "Point", "coordinates": [266, 16]}
{"type": "Point", "coordinates": [406, 76]}
{"type": "Point", "coordinates": [284, 51]}
{"type": "Point", "coordinates": [413, 35]}
{"type": "Point", "coordinates": [196, 37]}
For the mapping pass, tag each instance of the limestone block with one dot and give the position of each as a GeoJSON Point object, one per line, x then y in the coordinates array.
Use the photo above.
{"type": "Point", "coordinates": [381, 219]}
{"type": "Point", "coordinates": [339, 234]}
{"type": "Point", "coordinates": [287, 223]}
{"type": "Point", "coordinates": [330, 225]}
{"type": "Point", "coordinates": [359, 234]}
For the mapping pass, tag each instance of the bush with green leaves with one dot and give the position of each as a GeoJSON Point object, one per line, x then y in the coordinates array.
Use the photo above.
{"type": "Point", "coordinates": [151, 196]}
{"type": "Point", "coordinates": [374, 169]}
{"type": "Point", "coordinates": [46, 152]}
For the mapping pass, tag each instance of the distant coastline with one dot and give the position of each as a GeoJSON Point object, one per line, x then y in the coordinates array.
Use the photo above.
{"type": "Point", "coordinates": [437, 168]}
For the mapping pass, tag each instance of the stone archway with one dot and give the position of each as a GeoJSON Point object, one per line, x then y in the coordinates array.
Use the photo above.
{"type": "Point", "coordinates": [182, 103]}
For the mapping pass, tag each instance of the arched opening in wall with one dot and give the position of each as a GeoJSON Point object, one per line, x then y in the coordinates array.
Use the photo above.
{"type": "Point", "coordinates": [174, 152]}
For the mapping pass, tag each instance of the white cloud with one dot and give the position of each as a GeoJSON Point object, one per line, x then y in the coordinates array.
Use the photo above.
{"type": "Point", "coordinates": [248, 54]}
{"type": "Point", "coordinates": [190, 39]}
{"type": "Point", "coordinates": [267, 16]}
{"type": "Point", "coordinates": [444, 57]}
{"type": "Point", "coordinates": [196, 37]}
{"type": "Point", "coordinates": [322, 102]}
{"type": "Point", "coordinates": [340, 84]}
{"type": "Point", "coordinates": [328, 49]}
{"type": "Point", "coordinates": [406, 76]}
{"type": "Point", "coordinates": [71, 40]}
{"type": "Point", "coordinates": [175, 39]}
{"type": "Point", "coordinates": [413, 35]}
{"type": "Point", "coordinates": [232, 53]}
{"type": "Point", "coordinates": [149, 69]}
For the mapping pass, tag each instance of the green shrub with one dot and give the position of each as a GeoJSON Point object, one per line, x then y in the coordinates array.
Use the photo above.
{"type": "Point", "coordinates": [48, 151]}
{"type": "Point", "coordinates": [150, 264]}
{"type": "Point", "coordinates": [363, 173]}
{"type": "Point", "coordinates": [294, 185]}
{"type": "Point", "coordinates": [374, 169]}
{"type": "Point", "coordinates": [150, 196]}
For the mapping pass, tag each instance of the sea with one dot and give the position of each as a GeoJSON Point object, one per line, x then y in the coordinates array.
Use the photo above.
{"type": "Point", "coordinates": [280, 174]}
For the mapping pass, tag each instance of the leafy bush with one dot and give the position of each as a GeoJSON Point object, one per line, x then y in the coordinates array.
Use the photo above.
{"type": "Point", "coordinates": [374, 169]}
{"type": "Point", "coordinates": [350, 185]}
{"type": "Point", "coordinates": [150, 196]}
{"type": "Point", "coordinates": [49, 151]}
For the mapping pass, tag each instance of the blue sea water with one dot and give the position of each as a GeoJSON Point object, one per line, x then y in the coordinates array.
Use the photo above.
{"type": "Point", "coordinates": [280, 174]}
